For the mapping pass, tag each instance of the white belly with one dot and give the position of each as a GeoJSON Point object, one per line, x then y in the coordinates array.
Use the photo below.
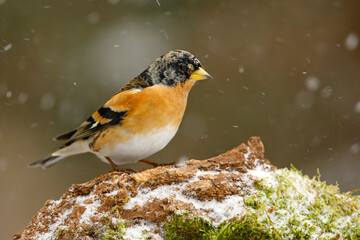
{"type": "Point", "coordinates": [138, 147]}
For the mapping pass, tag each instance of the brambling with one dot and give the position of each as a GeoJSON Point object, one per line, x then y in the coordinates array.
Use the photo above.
{"type": "Point", "coordinates": [140, 119]}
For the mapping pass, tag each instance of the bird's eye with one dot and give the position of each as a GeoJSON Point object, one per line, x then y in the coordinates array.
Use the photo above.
{"type": "Point", "coordinates": [182, 66]}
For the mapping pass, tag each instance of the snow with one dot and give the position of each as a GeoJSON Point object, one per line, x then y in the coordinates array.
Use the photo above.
{"type": "Point", "coordinates": [260, 172]}
{"type": "Point", "coordinates": [8, 47]}
{"type": "Point", "coordinates": [22, 98]}
{"type": "Point", "coordinates": [55, 226]}
{"type": "Point", "coordinates": [3, 164]}
{"type": "Point", "coordinates": [91, 209]}
{"type": "Point", "coordinates": [355, 148]}
{"type": "Point", "coordinates": [8, 94]}
{"type": "Point", "coordinates": [47, 101]}
{"type": "Point", "coordinates": [351, 41]}
{"type": "Point", "coordinates": [312, 83]}
{"type": "Point", "coordinates": [213, 210]}
{"type": "Point", "coordinates": [304, 100]}
{"type": "Point", "coordinates": [165, 33]}
{"type": "Point", "coordinates": [113, 2]}
{"type": "Point", "coordinates": [326, 92]}
{"type": "Point", "coordinates": [143, 230]}
{"type": "Point", "coordinates": [241, 69]}
{"type": "Point", "coordinates": [93, 18]}
{"type": "Point", "coordinates": [357, 107]}
{"type": "Point", "coordinates": [219, 211]}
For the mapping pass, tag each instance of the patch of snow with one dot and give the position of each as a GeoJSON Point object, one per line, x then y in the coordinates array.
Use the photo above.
{"type": "Point", "coordinates": [143, 230]}
{"type": "Point", "coordinates": [261, 172]}
{"type": "Point", "coordinates": [247, 154]}
{"type": "Point", "coordinates": [213, 210]}
{"type": "Point", "coordinates": [90, 209]}
{"type": "Point", "coordinates": [53, 228]}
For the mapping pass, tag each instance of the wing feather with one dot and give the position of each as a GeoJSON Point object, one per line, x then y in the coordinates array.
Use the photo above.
{"type": "Point", "coordinates": [113, 112]}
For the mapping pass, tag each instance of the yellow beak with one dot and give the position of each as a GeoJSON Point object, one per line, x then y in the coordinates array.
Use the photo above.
{"type": "Point", "coordinates": [200, 74]}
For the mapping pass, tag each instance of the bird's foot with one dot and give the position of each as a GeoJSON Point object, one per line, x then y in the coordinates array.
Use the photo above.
{"type": "Point", "coordinates": [154, 164]}
{"type": "Point", "coordinates": [115, 167]}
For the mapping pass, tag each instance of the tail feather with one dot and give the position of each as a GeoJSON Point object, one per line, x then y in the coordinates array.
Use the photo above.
{"type": "Point", "coordinates": [68, 149]}
{"type": "Point", "coordinates": [47, 162]}
{"type": "Point", "coordinates": [65, 136]}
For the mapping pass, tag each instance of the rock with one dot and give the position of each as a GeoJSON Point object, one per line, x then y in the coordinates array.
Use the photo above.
{"type": "Point", "coordinates": [157, 203]}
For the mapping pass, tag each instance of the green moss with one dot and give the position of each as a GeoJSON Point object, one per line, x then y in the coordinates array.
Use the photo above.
{"type": "Point", "coordinates": [290, 206]}
{"type": "Point", "coordinates": [114, 232]}
{"type": "Point", "coordinates": [247, 227]}
{"type": "Point", "coordinates": [182, 227]}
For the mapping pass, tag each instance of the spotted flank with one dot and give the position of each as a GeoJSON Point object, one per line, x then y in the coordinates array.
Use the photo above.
{"type": "Point", "coordinates": [141, 118]}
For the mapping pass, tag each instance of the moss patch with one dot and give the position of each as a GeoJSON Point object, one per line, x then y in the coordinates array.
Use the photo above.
{"type": "Point", "coordinates": [287, 205]}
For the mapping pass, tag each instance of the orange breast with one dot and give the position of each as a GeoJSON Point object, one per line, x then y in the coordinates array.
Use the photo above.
{"type": "Point", "coordinates": [153, 108]}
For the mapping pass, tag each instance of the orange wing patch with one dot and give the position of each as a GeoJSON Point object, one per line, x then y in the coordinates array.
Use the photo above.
{"type": "Point", "coordinates": [122, 101]}
{"type": "Point", "coordinates": [98, 118]}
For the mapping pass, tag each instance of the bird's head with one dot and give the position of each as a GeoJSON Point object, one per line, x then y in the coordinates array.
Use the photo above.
{"type": "Point", "coordinates": [175, 67]}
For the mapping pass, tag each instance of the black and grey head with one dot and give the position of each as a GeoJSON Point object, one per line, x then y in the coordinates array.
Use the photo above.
{"type": "Point", "coordinates": [170, 69]}
{"type": "Point", "coordinates": [174, 67]}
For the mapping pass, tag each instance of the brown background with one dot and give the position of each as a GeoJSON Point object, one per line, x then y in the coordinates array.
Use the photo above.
{"type": "Point", "coordinates": [287, 71]}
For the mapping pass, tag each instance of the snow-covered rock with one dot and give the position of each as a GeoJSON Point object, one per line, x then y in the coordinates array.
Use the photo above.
{"type": "Point", "coordinates": [237, 195]}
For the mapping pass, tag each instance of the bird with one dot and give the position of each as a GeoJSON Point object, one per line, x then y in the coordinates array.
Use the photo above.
{"type": "Point", "coordinates": [140, 119]}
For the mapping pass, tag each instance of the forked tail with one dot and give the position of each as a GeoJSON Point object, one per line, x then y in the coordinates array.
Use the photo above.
{"type": "Point", "coordinates": [68, 149]}
{"type": "Point", "coordinates": [47, 162]}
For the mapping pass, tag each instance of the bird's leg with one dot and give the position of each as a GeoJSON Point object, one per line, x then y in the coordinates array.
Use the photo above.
{"type": "Point", "coordinates": [115, 167]}
{"type": "Point", "coordinates": [149, 162]}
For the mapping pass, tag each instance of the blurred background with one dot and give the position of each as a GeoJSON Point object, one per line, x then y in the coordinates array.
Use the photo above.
{"type": "Point", "coordinates": [287, 71]}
